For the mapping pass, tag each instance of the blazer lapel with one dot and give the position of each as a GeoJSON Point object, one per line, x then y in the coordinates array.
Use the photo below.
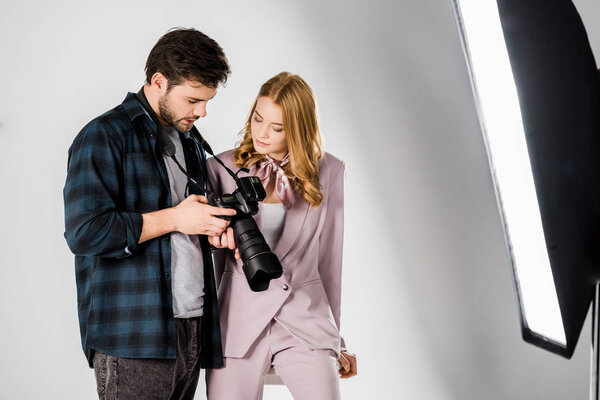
{"type": "Point", "coordinates": [294, 220]}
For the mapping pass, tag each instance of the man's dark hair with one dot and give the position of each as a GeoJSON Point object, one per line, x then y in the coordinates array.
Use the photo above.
{"type": "Point", "coordinates": [187, 54]}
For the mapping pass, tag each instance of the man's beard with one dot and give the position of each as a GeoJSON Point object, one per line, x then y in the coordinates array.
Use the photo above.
{"type": "Point", "coordinates": [166, 113]}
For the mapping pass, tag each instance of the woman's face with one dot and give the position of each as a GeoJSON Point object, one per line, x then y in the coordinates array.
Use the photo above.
{"type": "Point", "coordinates": [266, 126]}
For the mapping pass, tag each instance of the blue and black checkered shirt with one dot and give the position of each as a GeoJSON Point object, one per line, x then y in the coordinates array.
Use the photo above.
{"type": "Point", "coordinates": [115, 173]}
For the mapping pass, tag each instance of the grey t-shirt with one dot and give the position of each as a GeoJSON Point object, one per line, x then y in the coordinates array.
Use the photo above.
{"type": "Point", "coordinates": [187, 265]}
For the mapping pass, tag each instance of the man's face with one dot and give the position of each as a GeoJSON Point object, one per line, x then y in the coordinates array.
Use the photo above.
{"type": "Point", "coordinates": [183, 104]}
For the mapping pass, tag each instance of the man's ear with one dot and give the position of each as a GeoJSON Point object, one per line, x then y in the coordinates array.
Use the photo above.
{"type": "Point", "coordinates": [159, 82]}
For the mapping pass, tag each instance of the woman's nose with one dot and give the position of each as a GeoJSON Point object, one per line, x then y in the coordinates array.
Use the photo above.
{"type": "Point", "coordinates": [263, 132]}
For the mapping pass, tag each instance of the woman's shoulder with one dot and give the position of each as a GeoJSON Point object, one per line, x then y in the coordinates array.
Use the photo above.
{"type": "Point", "coordinates": [228, 158]}
{"type": "Point", "coordinates": [227, 154]}
{"type": "Point", "coordinates": [331, 165]}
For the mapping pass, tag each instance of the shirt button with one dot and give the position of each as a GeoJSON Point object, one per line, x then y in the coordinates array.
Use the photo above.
{"type": "Point", "coordinates": [286, 287]}
{"type": "Point", "coordinates": [166, 275]}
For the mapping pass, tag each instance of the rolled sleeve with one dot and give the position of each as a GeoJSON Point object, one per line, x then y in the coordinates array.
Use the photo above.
{"type": "Point", "coordinates": [133, 222]}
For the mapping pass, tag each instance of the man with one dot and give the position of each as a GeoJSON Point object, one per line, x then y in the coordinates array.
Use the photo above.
{"type": "Point", "coordinates": [145, 283]}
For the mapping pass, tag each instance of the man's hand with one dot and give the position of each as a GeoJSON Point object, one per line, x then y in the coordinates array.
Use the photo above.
{"type": "Point", "coordinates": [226, 240]}
{"type": "Point", "coordinates": [347, 365]}
{"type": "Point", "coordinates": [194, 216]}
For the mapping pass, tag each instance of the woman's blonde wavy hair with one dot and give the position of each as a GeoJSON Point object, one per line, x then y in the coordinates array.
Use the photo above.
{"type": "Point", "coordinates": [302, 135]}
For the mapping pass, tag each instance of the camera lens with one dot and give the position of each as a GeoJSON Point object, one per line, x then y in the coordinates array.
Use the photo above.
{"type": "Point", "coordinates": [260, 264]}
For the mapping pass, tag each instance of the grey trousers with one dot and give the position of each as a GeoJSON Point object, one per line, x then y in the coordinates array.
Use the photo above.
{"type": "Point", "coordinates": [120, 378]}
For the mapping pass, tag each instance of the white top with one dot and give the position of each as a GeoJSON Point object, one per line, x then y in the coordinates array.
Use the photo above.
{"type": "Point", "coordinates": [273, 219]}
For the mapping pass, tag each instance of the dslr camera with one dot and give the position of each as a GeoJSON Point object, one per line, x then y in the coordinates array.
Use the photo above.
{"type": "Point", "coordinates": [260, 265]}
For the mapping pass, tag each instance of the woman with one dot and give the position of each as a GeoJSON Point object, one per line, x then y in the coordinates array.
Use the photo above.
{"type": "Point", "coordinates": [294, 324]}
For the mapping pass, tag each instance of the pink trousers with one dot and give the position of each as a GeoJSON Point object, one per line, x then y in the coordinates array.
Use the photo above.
{"type": "Point", "coordinates": [308, 374]}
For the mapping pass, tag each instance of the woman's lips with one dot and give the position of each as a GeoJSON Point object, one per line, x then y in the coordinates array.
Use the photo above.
{"type": "Point", "coordinates": [258, 142]}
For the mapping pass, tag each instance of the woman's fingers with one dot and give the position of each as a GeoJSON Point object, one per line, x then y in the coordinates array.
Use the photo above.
{"type": "Point", "coordinates": [348, 365]}
{"type": "Point", "coordinates": [223, 240]}
{"type": "Point", "coordinates": [214, 241]}
{"type": "Point", "coordinates": [230, 238]}
{"type": "Point", "coordinates": [344, 364]}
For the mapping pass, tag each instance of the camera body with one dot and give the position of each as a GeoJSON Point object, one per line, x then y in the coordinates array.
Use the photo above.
{"type": "Point", "coordinates": [244, 200]}
{"type": "Point", "coordinates": [260, 264]}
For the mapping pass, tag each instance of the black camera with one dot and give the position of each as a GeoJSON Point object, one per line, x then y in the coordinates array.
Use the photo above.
{"type": "Point", "coordinates": [260, 265]}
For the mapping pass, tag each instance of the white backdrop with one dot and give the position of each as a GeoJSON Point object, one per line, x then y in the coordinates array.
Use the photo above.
{"type": "Point", "coordinates": [428, 303]}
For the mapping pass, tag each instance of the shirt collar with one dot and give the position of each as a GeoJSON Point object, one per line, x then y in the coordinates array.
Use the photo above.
{"type": "Point", "coordinates": [132, 107]}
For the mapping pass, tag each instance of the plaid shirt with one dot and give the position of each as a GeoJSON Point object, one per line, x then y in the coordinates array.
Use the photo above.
{"type": "Point", "coordinates": [115, 173]}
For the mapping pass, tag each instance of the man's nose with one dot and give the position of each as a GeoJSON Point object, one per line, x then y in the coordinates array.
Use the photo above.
{"type": "Point", "coordinates": [200, 110]}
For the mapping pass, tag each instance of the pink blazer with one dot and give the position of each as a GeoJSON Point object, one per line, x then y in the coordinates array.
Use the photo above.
{"type": "Point", "coordinates": [310, 251]}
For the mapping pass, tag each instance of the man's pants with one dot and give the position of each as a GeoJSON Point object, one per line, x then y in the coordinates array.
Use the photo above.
{"type": "Point", "coordinates": [153, 379]}
{"type": "Point", "coordinates": [308, 374]}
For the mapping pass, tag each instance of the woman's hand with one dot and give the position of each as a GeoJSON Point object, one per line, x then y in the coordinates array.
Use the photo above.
{"type": "Point", "coordinates": [226, 240]}
{"type": "Point", "coordinates": [347, 364]}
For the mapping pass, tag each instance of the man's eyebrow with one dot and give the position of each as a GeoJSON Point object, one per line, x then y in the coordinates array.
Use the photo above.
{"type": "Point", "coordinates": [196, 99]}
{"type": "Point", "coordinates": [274, 123]}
